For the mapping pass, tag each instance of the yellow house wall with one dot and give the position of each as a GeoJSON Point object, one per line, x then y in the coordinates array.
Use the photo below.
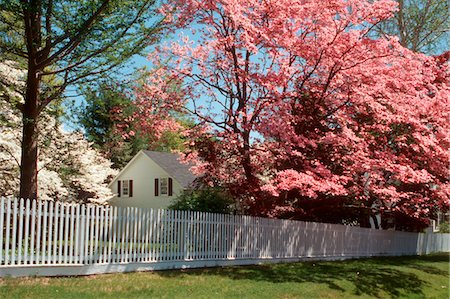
{"type": "Point", "coordinates": [143, 172]}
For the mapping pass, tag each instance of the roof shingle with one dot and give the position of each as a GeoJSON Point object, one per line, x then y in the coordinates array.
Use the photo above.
{"type": "Point", "coordinates": [171, 164]}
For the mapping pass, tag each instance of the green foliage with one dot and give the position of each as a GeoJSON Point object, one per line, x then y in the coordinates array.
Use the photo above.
{"type": "Point", "coordinates": [212, 200]}
{"type": "Point", "coordinates": [95, 116]}
{"type": "Point", "coordinates": [444, 227]}
{"type": "Point", "coordinates": [84, 47]}
{"type": "Point", "coordinates": [108, 112]}
{"type": "Point", "coordinates": [68, 43]}
{"type": "Point", "coordinates": [421, 25]}
{"type": "Point", "coordinates": [106, 105]}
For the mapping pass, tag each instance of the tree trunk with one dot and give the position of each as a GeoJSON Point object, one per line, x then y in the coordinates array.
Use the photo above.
{"type": "Point", "coordinates": [246, 163]}
{"type": "Point", "coordinates": [28, 161]}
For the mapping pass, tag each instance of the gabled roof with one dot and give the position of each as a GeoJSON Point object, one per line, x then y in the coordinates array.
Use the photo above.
{"type": "Point", "coordinates": [170, 163]}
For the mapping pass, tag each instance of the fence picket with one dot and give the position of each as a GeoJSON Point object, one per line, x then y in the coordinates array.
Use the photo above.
{"type": "Point", "coordinates": [55, 232]}
{"type": "Point", "coordinates": [2, 225]}
{"type": "Point", "coordinates": [2, 213]}
{"type": "Point", "coordinates": [95, 250]}
{"type": "Point", "coordinates": [44, 231]}
{"type": "Point", "coordinates": [14, 235]}
{"type": "Point", "coordinates": [21, 236]}
{"type": "Point", "coordinates": [8, 223]}
{"type": "Point", "coordinates": [32, 231]}
{"type": "Point", "coordinates": [84, 236]}
{"type": "Point", "coordinates": [70, 252]}
{"type": "Point", "coordinates": [189, 233]}
{"type": "Point", "coordinates": [26, 231]}
{"type": "Point", "coordinates": [145, 255]}
{"type": "Point", "coordinates": [121, 235]}
{"type": "Point", "coordinates": [114, 245]}
{"type": "Point", "coordinates": [80, 236]}
{"type": "Point", "coordinates": [60, 240]}
{"type": "Point", "coordinates": [133, 234]}
{"type": "Point", "coordinates": [106, 230]}
{"type": "Point", "coordinates": [93, 229]}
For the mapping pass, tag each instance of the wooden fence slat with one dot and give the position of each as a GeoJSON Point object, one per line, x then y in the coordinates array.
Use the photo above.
{"type": "Point", "coordinates": [72, 233]}
{"type": "Point", "coordinates": [2, 214]}
{"type": "Point", "coordinates": [159, 236]}
{"type": "Point", "coordinates": [14, 232]}
{"type": "Point", "coordinates": [8, 223]}
{"type": "Point", "coordinates": [92, 228]}
{"type": "Point", "coordinates": [113, 232]}
{"type": "Point", "coordinates": [68, 215]}
{"type": "Point", "coordinates": [105, 235]}
{"type": "Point", "coordinates": [129, 225]}
{"type": "Point", "coordinates": [21, 233]}
{"type": "Point", "coordinates": [82, 235]}
{"type": "Point", "coordinates": [172, 236]}
{"type": "Point", "coordinates": [165, 235]}
{"type": "Point", "coordinates": [195, 237]}
{"type": "Point", "coordinates": [134, 235]}
{"type": "Point", "coordinates": [122, 225]}
{"type": "Point", "coordinates": [86, 234]}
{"type": "Point", "coordinates": [44, 232]}
{"type": "Point", "coordinates": [50, 231]}
{"type": "Point", "coordinates": [144, 231]}
{"type": "Point", "coordinates": [26, 231]}
{"type": "Point", "coordinates": [154, 234]}
{"type": "Point", "coordinates": [145, 252]}
{"type": "Point", "coordinates": [78, 234]}
{"type": "Point", "coordinates": [96, 250]}
{"type": "Point", "coordinates": [188, 234]}
{"type": "Point", "coordinates": [32, 231]}
{"type": "Point", "coordinates": [99, 234]}
{"type": "Point", "coordinates": [61, 232]}
{"type": "Point", "coordinates": [177, 235]}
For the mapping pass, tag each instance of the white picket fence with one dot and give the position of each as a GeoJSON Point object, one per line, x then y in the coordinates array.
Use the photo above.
{"type": "Point", "coordinates": [52, 238]}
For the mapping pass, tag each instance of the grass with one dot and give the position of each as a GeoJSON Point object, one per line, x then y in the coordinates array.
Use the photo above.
{"type": "Point", "coordinates": [395, 277]}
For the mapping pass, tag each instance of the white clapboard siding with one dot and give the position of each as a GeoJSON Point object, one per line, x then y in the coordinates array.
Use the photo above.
{"type": "Point", "coordinates": [106, 239]}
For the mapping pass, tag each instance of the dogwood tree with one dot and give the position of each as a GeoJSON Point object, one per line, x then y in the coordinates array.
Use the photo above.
{"type": "Point", "coordinates": [68, 168]}
{"type": "Point", "coordinates": [301, 104]}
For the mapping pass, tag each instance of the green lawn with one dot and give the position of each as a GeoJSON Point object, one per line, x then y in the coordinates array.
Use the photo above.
{"type": "Point", "coordinates": [401, 277]}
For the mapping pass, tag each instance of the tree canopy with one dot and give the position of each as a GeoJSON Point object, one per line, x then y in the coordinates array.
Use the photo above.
{"type": "Point", "coordinates": [305, 109]}
{"type": "Point", "coordinates": [421, 25]}
{"type": "Point", "coordinates": [72, 42]}
{"type": "Point", "coordinates": [69, 168]}
{"type": "Point", "coordinates": [108, 120]}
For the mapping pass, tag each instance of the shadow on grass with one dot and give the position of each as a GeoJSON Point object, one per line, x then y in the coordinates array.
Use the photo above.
{"type": "Point", "coordinates": [368, 276]}
{"type": "Point", "coordinates": [417, 263]}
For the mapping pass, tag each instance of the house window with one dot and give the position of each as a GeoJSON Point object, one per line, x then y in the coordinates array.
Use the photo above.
{"type": "Point", "coordinates": [164, 186]}
{"type": "Point", "coordinates": [125, 188]}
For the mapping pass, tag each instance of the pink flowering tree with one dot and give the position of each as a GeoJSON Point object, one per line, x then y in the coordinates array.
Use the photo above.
{"type": "Point", "coordinates": [389, 153]}
{"type": "Point", "coordinates": [300, 111]}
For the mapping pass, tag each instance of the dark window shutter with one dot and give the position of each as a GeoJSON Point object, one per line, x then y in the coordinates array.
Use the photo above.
{"type": "Point", "coordinates": [131, 188]}
{"type": "Point", "coordinates": [156, 187]}
{"type": "Point", "coordinates": [119, 188]}
{"type": "Point", "coordinates": [170, 187]}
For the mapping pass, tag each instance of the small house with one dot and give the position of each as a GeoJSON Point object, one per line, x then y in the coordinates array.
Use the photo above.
{"type": "Point", "coordinates": [151, 180]}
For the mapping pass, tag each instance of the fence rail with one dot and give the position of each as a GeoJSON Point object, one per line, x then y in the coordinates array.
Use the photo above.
{"type": "Point", "coordinates": [52, 238]}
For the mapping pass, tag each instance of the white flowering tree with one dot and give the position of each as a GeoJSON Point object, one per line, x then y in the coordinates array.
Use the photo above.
{"type": "Point", "coordinates": [69, 169]}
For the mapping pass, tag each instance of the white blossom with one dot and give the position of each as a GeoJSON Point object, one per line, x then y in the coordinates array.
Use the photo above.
{"type": "Point", "coordinates": [69, 168]}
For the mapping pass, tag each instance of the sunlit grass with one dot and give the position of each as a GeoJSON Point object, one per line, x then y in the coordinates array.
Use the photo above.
{"type": "Point", "coordinates": [397, 277]}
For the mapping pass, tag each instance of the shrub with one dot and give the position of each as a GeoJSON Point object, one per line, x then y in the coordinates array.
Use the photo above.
{"type": "Point", "coordinates": [212, 200]}
{"type": "Point", "coordinates": [444, 227]}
